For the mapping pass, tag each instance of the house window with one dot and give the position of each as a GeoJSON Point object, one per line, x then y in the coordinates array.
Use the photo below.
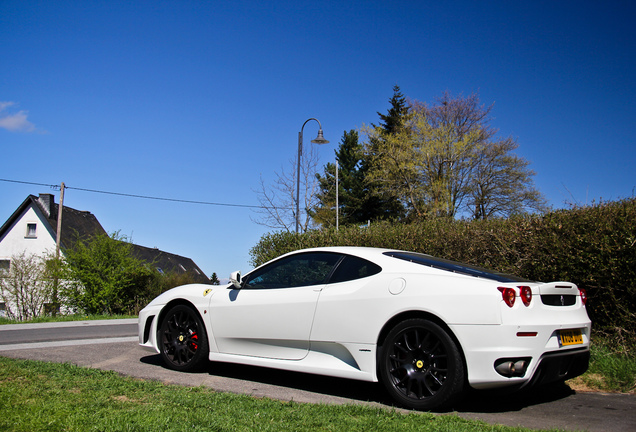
{"type": "Point", "coordinates": [5, 264]}
{"type": "Point", "coordinates": [31, 230]}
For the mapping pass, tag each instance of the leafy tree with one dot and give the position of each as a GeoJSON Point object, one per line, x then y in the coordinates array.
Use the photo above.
{"type": "Point", "coordinates": [503, 184]}
{"type": "Point", "coordinates": [105, 277]}
{"type": "Point", "coordinates": [395, 168]}
{"type": "Point", "coordinates": [446, 161]}
{"type": "Point", "coordinates": [26, 286]}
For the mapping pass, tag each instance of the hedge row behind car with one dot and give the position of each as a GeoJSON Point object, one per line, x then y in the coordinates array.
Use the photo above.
{"type": "Point", "coordinates": [593, 246]}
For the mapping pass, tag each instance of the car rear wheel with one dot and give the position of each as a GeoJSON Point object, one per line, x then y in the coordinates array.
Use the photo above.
{"type": "Point", "coordinates": [183, 340]}
{"type": "Point", "coordinates": [420, 366]}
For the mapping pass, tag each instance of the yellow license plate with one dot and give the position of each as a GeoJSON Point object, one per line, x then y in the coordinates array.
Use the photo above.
{"type": "Point", "coordinates": [571, 337]}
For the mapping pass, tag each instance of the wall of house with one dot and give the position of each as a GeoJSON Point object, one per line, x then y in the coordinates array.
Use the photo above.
{"type": "Point", "coordinates": [15, 241]}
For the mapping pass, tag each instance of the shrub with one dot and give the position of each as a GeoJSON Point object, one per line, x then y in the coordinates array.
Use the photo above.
{"type": "Point", "coordinates": [26, 286]}
{"type": "Point", "coordinates": [104, 276]}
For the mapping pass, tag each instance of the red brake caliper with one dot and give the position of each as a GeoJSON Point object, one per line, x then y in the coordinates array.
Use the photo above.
{"type": "Point", "coordinates": [194, 337]}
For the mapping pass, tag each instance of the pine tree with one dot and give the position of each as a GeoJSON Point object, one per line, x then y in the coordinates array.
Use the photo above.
{"type": "Point", "coordinates": [380, 205]}
{"type": "Point", "coordinates": [214, 279]}
{"type": "Point", "coordinates": [350, 184]}
{"type": "Point", "coordinates": [395, 118]}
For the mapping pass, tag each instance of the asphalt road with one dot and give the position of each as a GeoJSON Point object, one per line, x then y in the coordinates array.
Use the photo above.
{"type": "Point", "coordinates": [112, 345]}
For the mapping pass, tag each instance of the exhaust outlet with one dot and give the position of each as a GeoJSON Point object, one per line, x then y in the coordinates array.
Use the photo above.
{"type": "Point", "coordinates": [510, 368]}
{"type": "Point", "coordinates": [506, 368]}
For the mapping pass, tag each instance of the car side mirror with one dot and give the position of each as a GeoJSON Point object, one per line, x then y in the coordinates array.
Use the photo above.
{"type": "Point", "coordinates": [235, 279]}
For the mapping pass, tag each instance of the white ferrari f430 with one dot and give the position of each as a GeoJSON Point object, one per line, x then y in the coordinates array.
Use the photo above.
{"type": "Point", "coordinates": [426, 328]}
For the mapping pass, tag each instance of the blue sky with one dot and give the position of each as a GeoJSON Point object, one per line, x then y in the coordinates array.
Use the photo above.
{"type": "Point", "coordinates": [197, 100]}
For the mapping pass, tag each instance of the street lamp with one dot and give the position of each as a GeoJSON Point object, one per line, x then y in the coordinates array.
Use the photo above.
{"type": "Point", "coordinates": [318, 140]}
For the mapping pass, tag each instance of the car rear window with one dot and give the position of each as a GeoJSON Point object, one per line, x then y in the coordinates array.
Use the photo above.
{"type": "Point", "coordinates": [454, 266]}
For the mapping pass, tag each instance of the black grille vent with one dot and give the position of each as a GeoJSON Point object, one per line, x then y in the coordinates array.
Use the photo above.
{"type": "Point", "coordinates": [558, 300]}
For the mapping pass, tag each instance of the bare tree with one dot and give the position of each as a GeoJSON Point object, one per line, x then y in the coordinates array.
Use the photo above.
{"type": "Point", "coordinates": [26, 286]}
{"type": "Point", "coordinates": [278, 202]}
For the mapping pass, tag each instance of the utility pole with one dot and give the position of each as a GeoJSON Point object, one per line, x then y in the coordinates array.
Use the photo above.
{"type": "Point", "coordinates": [337, 204]}
{"type": "Point", "coordinates": [58, 241]}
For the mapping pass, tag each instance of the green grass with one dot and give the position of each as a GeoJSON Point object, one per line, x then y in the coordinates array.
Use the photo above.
{"type": "Point", "coordinates": [38, 396]}
{"type": "Point", "coordinates": [612, 368]}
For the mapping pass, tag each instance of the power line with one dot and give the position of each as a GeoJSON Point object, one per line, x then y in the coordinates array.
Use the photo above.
{"type": "Point", "coordinates": [57, 187]}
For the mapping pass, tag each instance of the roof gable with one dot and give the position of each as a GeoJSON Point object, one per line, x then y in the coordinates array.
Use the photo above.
{"type": "Point", "coordinates": [75, 223]}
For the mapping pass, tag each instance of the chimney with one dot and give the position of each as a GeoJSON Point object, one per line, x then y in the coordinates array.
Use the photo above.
{"type": "Point", "coordinates": [47, 201]}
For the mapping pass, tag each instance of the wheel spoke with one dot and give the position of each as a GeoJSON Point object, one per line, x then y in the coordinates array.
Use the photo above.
{"type": "Point", "coordinates": [428, 387]}
{"type": "Point", "coordinates": [407, 344]}
{"type": "Point", "coordinates": [438, 379]}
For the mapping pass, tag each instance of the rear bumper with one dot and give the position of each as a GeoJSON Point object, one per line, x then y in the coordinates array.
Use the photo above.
{"type": "Point", "coordinates": [560, 366]}
{"type": "Point", "coordinates": [484, 347]}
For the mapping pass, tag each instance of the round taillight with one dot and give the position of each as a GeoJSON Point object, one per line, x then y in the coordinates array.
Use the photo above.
{"type": "Point", "coordinates": [583, 296]}
{"type": "Point", "coordinates": [526, 295]}
{"type": "Point", "coordinates": [508, 295]}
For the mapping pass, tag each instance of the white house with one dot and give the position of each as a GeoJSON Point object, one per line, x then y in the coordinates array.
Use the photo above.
{"type": "Point", "coordinates": [32, 229]}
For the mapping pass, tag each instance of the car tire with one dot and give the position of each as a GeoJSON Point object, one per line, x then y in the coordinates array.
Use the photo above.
{"type": "Point", "coordinates": [421, 366]}
{"type": "Point", "coordinates": [183, 341]}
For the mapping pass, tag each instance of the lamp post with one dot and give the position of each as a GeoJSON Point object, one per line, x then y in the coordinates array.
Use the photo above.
{"type": "Point", "coordinates": [337, 204]}
{"type": "Point", "coordinates": [318, 140]}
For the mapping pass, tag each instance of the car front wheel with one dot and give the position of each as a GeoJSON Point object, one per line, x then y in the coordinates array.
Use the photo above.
{"type": "Point", "coordinates": [420, 366]}
{"type": "Point", "coordinates": [182, 338]}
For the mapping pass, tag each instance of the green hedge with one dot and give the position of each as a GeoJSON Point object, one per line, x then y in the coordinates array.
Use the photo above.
{"type": "Point", "coordinates": [592, 246]}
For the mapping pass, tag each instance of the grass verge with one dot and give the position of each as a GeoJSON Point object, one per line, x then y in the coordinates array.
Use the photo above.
{"type": "Point", "coordinates": [60, 397]}
{"type": "Point", "coordinates": [612, 368]}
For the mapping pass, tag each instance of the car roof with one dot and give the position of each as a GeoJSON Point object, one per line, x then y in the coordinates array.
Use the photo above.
{"type": "Point", "coordinates": [361, 251]}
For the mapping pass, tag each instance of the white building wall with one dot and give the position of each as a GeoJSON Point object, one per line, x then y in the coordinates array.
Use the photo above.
{"type": "Point", "coordinates": [15, 241]}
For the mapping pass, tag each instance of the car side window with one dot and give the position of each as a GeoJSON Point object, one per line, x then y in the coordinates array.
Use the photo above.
{"type": "Point", "coordinates": [299, 270]}
{"type": "Point", "coordinates": [352, 268]}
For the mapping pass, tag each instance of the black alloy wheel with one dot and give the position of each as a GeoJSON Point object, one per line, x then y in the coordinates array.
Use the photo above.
{"type": "Point", "coordinates": [183, 341]}
{"type": "Point", "coordinates": [420, 366]}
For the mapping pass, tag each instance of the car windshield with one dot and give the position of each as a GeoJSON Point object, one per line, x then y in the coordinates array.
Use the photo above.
{"type": "Point", "coordinates": [454, 266]}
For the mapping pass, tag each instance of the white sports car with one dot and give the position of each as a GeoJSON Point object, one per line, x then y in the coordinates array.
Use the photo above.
{"type": "Point", "coordinates": [425, 327]}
